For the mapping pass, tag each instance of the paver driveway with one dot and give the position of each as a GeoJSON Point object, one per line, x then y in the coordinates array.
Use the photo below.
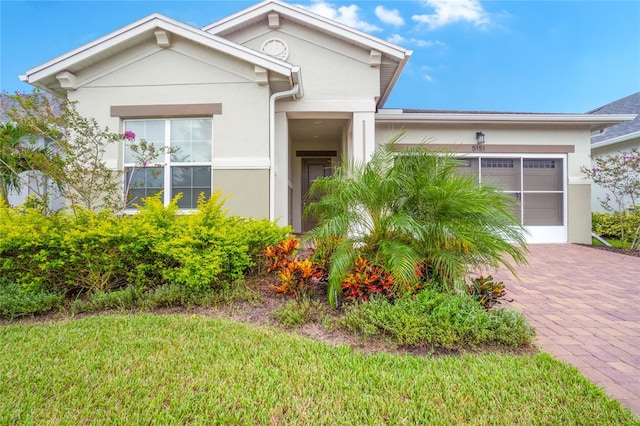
{"type": "Point", "coordinates": [585, 306]}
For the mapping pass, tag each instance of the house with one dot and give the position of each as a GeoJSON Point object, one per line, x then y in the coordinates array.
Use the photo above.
{"type": "Point", "coordinates": [262, 102]}
{"type": "Point", "coordinates": [615, 139]}
{"type": "Point", "coordinates": [31, 183]}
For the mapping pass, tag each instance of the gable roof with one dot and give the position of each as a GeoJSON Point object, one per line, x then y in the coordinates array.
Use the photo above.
{"type": "Point", "coordinates": [45, 75]}
{"type": "Point", "coordinates": [389, 71]}
{"type": "Point", "coordinates": [620, 132]}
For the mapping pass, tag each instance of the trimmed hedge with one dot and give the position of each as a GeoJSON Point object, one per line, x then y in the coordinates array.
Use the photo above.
{"type": "Point", "coordinates": [610, 225]}
{"type": "Point", "coordinates": [66, 253]}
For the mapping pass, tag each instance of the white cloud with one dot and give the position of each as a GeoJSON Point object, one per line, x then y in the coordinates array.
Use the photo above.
{"type": "Point", "coordinates": [347, 15]}
{"type": "Point", "coordinates": [396, 39]}
{"type": "Point", "coordinates": [389, 16]}
{"type": "Point", "coordinates": [401, 40]}
{"type": "Point", "coordinates": [450, 11]}
{"type": "Point", "coordinates": [426, 76]}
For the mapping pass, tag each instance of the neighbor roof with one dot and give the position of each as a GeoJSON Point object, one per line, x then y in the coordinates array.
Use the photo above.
{"type": "Point", "coordinates": [623, 131]}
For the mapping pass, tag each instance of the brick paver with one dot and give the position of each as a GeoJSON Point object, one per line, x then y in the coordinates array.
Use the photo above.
{"type": "Point", "coordinates": [585, 305]}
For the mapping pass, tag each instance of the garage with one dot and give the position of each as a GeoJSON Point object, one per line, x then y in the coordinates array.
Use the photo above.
{"type": "Point", "coordinates": [537, 182]}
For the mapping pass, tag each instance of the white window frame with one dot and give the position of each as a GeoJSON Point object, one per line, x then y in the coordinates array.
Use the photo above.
{"type": "Point", "coordinates": [164, 161]}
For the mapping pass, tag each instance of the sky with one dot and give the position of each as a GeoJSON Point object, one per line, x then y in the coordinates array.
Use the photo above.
{"type": "Point", "coordinates": [568, 56]}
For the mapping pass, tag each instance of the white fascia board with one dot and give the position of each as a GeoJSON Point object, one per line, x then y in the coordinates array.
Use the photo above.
{"type": "Point", "coordinates": [619, 139]}
{"type": "Point", "coordinates": [151, 22]}
{"type": "Point", "coordinates": [599, 121]}
{"type": "Point", "coordinates": [227, 22]}
{"type": "Point", "coordinates": [396, 76]}
{"type": "Point", "coordinates": [313, 20]}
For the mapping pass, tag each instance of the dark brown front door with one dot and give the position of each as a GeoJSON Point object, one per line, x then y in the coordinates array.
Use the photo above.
{"type": "Point", "coordinates": [312, 169]}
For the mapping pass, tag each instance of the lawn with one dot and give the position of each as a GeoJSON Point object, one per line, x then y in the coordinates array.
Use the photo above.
{"type": "Point", "coordinates": [191, 369]}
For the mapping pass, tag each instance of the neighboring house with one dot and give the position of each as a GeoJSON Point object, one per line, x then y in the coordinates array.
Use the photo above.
{"type": "Point", "coordinates": [33, 183]}
{"type": "Point", "coordinates": [262, 102]}
{"type": "Point", "coordinates": [615, 139]}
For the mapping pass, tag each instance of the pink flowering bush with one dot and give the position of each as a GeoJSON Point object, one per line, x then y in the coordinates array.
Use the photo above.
{"type": "Point", "coordinates": [620, 176]}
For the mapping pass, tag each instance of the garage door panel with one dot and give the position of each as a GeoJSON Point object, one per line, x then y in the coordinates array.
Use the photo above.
{"type": "Point", "coordinates": [503, 173]}
{"type": "Point", "coordinates": [543, 210]}
{"type": "Point", "coordinates": [542, 174]}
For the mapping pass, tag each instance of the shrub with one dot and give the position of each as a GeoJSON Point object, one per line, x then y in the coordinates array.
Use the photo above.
{"type": "Point", "coordinates": [365, 280]}
{"type": "Point", "coordinates": [297, 277]}
{"type": "Point", "coordinates": [164, 296]}
{"type": "Point", "coordinates": [98, 252]}
{"type": "Point", "coordinates": [15, 302]}
{"type": "Point", "coordinates": [279, 255]}
{"type": "Point", "coordinates": [123, 299]}
{"type": "Point", "coordinates": [297, 312]}
{"type": "Point", "coordinates": [612, 225]}
{"type": "Point", "coordinates": [510, 328]}
{"type": "Point", "coordinates": [438, 319]}
{"type": "Point", "coordinates": [486, 291]}
{"type": "Point", "coordinates": [407, 207]}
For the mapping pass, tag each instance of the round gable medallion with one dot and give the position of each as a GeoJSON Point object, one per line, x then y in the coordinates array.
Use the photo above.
{"type": "Point", "coordinates": [276, 48]}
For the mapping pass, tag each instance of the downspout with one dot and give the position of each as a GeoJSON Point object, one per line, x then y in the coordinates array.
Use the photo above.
{"type": "Point", "coordinates": [272, 146]}
{"type": "Point", "coordinates": [600, 239]}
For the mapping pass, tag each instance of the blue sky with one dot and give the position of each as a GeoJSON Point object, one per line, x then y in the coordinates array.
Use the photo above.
{"type": "Point", "coordinates": [527, 56]}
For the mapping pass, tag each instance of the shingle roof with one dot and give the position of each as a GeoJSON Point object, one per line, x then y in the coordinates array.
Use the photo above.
{"type": "Point", "coordinates": [4, 99]}
{"type": "Point", "coordinates": [626, 105]}
{"type": "Point", "coordinates": [8, 103]}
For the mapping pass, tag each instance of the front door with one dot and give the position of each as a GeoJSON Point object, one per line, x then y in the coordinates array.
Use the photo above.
{"type": "Point", "coordinates": [312, 169]}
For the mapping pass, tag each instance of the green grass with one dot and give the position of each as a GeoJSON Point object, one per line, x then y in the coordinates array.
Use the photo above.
{"type": "Point", "coordinates": [179, 369]}
{"type": "Point", "coordinates": [614, 243]}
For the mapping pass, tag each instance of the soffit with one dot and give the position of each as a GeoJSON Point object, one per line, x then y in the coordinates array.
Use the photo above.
{"type": "Point", "coordinates": [593, 122]}
{"type": "Point", "coordinates": [321, 129]}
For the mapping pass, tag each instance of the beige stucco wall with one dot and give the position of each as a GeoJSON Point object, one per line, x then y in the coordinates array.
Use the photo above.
{"type": "Point", "coordinates": [337, 77]}
{"type": "Point", "coordinates": [187, 73]}
{"type": "Point", "coordinates": [331, 68]}
{"type": "Point", "coordinates": [506, 134]}
{"type": "Point", "coordinates": [578, 188]}
{"type": "Point", "coordinates": [579, 213]}
{"type": "Point", "coordinates": [248, 191]}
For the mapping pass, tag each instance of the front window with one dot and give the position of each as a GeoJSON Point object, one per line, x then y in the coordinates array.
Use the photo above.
{"type": "Point", "coordinates": [183, 165]}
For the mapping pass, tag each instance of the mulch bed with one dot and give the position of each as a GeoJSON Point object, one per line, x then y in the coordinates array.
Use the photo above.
{"type": "Point", "coordinates": [626, 252]}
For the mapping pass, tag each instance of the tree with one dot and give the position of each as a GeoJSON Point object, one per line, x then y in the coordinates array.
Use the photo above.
{"type": "Point", "coordinates": [18, 154]}
{"type": "Point", "coordinates": [620, 175]}
{"type": "Point", "coordinates": [403, 210]}
{"type": "Point", "coordinates": [76, 160]}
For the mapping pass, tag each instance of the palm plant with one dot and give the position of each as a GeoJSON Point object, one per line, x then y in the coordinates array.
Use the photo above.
{"type": "Point", "coordinates": [12, 160]}
{"type": "Point", "coordinates": [403, 210]}
{"type": "Point", "coordinates": [18, 153]}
